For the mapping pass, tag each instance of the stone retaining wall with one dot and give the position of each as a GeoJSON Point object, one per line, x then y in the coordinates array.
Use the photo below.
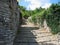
{"type": "Point", "coordinates": [9, 20]}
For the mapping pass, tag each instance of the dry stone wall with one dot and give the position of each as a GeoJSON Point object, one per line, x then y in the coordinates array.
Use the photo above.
{"type": "Point", "coordinates": [9, 21]}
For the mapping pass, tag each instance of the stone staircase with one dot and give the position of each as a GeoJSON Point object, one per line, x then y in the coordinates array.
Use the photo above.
{"type": "Point", "coordinates": [31, 35]}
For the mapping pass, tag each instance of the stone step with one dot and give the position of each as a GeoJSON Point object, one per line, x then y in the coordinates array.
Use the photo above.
{"type": "Point", "coordinates": [35, 43]}
{"type": "Point", "coordinates": [32, 31]}
{"type": "Point", "coordinates": [34, 36]}
{"type": "Point", "coordinates": [28, 28]}
{"type": "Point", "coordinates": [20, 41]}
{"type": "Point", "coordinates": [41, 31]}
{"type": "Point", "coordinates": [35, 33]}
{"type": "Point", "coordinates": [53, 42]}
{"type": "Point", "coordinates": [43, 39]}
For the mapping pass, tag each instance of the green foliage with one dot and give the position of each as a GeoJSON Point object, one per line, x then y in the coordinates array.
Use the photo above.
{"type": "Point", "coordinates": [38, 17]}
{"type": "Point", "coordinates": [51, 15]}
{"type": "Point", "coordinates": [25, 13]}
{"type": "Point", "coordinates": [53, 18]}
{"type": "Point", "coordinates": [34, 19]}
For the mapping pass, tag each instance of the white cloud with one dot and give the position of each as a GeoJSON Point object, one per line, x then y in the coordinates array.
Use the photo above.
{"type": "Point", "coordinates": [38, 3]}
{"type": "Point", "coordinates": [47, 5]}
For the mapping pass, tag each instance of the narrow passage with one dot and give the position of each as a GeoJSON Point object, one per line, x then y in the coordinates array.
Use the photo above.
{"type": "Point", "coordinates": [32, 35]}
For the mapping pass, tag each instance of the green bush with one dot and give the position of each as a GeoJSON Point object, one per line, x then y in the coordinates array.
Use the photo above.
{"type": "Point", "coordinates": [51, 15]}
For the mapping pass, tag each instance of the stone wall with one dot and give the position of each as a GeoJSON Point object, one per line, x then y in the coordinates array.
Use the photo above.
{"type": "Point", "coordinates": [9, 21]}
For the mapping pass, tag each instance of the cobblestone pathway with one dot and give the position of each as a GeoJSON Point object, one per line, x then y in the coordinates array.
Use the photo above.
{"type": "Point", "coordinates": [31, 35]}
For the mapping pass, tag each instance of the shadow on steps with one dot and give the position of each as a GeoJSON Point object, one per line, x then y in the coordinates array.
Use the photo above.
{"type": "Point", "coordinates": [26, 37]}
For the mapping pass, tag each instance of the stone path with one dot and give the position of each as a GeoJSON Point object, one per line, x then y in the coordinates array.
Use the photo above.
{"type": "Point", "coordinates": [31, 35]}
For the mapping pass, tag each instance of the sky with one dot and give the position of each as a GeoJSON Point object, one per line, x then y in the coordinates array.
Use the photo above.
{"type": "Point", "coordinates": [33, 4]}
